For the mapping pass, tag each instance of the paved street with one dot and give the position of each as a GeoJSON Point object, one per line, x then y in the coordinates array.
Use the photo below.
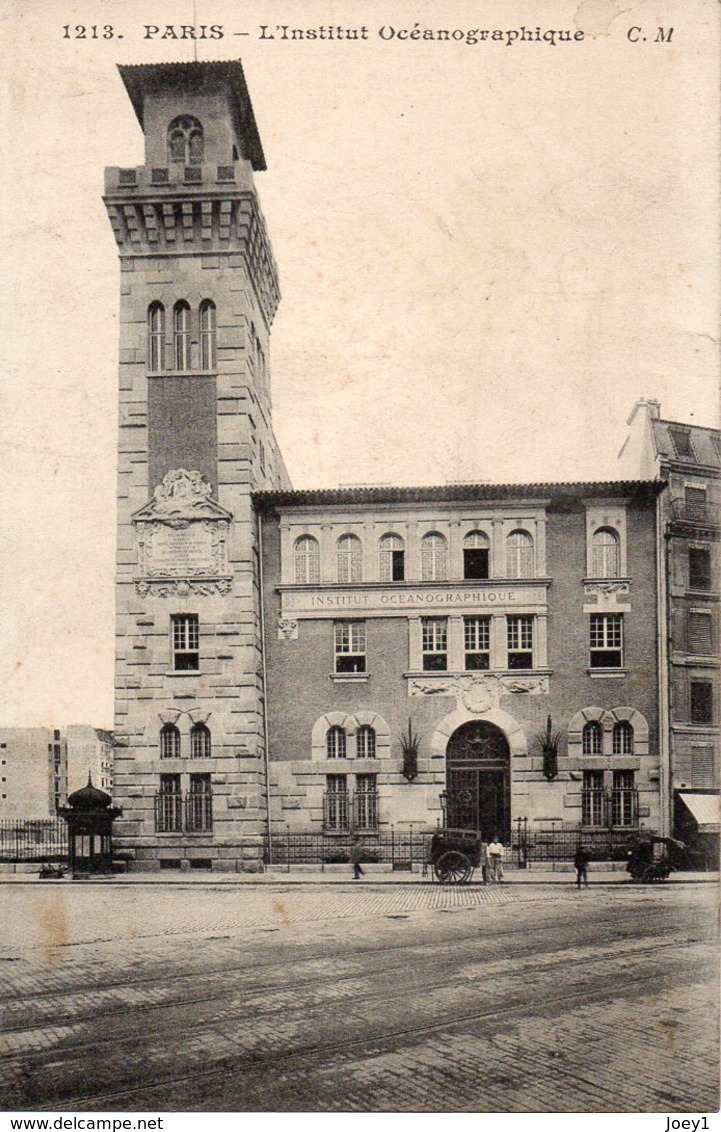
{"type": "Point", "coordinates": [398, 997]}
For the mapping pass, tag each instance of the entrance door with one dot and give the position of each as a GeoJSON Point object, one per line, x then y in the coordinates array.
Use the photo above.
{"type": "Point", "coordinates": [478, 784]}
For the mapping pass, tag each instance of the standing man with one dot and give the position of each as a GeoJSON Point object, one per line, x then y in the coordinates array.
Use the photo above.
{"type": "Point", "coordinates": [484, 861]}
{"type": "Point", "coordinates": [356, 853]}
{"type": "Point", "coordinates": [495, 859]}
{"type": "Point", "coordinates": [580, 863]}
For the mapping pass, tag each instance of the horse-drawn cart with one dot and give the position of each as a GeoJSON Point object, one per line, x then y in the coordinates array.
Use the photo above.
{"type": "Point", "coordinates": [453, 854]}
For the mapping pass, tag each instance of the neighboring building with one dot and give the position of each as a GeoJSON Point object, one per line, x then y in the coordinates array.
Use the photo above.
{"type": "Point", "coordinates": [465, 615]}
{"type": "Point", "coordinates": [90, 754]}
{"type": "Point", "coordinates": [33, 772]}
{"type": "Point", "coordinates": [688, 459]}
{"type": "Point", "coordinates": [274, 646]}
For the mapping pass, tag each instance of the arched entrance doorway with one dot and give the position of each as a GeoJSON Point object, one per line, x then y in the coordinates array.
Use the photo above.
{"type": "Point", "coordinates": [478, 779]}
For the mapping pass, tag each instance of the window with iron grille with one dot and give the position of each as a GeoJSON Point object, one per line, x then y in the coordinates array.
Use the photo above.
{"type": "Point", "coordinates": [200, 741]}
{"type": "Point", "coordinates": [699, 634]}
{"type": "Point", "coordinates": [185, 642]}
{"type": "Point", "coordinates": [169, 741]}
{"type": "Point", "coordinates": [208, 335]}
{"type": "Point", "coordinates": [592, 738]}
{"type": "Point", "coordinates": [606, 640]}
{"type": "Point", "coordinates": [181, 335]}
{"type": "Point", "coordinates": [336, 802]}
{"type": "Point", "coordinates": [366, 802]}
{"type": "Point", "coordinates": [605, 553]}
{"type": "Point", "coordinates": [434, 558]}
{"type": "Point", "coordinates": [519, 555]}
{"type": "Point", "coordinates": [391, 559]}
{"type": "Point", "coordinates": [593, 798]}
{"type": "Point", "coordinates": [702, 776]}
{"type": "Point", "coordinates": [169, 805]}
{"type": "Point", "coordinates": [366, 742]}
{"type": "Point", "coordinates": [349, 556]}
{"type": "Point", "coordinates": [681, 438]}
{"type": "Point", "coordinates": [477, 642]}
{"type": "Point", "coordinates": [350, 646]}
{"type": "Point", "coordinates": [476, 554]}
{"type": "Point", "coordinates": [307, 561]}
{"type": "Point", "coordinates": [335, 743]}
{"type": "Point", "coordinates": [520, 641]}
{"type": "Point", "coordinates": [701, 696]}
{"type": "Point", "coordinates": [623, 798]}
{"type": "Point", "coordinates": [156, 336]}
{"type": "Point", "coordinates": [622, 738]}
{"type": "Point", "coordinates": [199, 804]}
{"type": "Point", "coordinates": [699, 568]}
{"type": "Point", "coordinates": [434, 643]}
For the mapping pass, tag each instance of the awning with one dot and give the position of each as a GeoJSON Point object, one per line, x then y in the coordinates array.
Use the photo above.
{"type": "Point", "coordinates": [705, 810]}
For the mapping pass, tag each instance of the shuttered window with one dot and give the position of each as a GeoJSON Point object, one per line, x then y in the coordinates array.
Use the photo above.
{"type": "Point", "coordinates": [699, 634]}
{"type": "Point", "coordinates": [702, 768]}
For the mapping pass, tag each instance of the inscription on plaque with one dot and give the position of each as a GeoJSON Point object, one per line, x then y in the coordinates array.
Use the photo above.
{"type": "Point", "coordinates": [192, 550]}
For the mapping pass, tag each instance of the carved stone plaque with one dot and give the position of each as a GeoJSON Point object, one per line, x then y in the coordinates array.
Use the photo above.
{"type": "Point", "coordinates": [181, 552]}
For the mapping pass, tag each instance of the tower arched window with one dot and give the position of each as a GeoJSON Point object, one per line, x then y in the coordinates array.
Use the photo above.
{"type": "Point", "coordinates": [349, 555]}
{"type": "Point", "coordinates": [366, 742]}
{"type": "Point", "coordinates": [519, 555]}
{"type": "Point", "coordinates": [391, 559]}
{"type": "Point", "coordinates": [306, 561]}
{"type": "Point", "coordinates": [169, 741]}
{"type": "Point", "coordinates": [592, 739]}
{"type": "Point", "coordinates": [623, 738]}
{"type": "Point", "coordinates": [208, 347]}
{"type": "Point", "coordinates": [181, 335]}
{"type": "Point", "coordinates": [185, 140]}
{"type": "Point", "coordinates": [606, 553]}
{"type": "Point", "coordinates": [335, 743]}
{"type": "Point", "coordinates": [199, 741]}
{"type": "Point", "coordinates": [434, 558]}
{"type": "Point", "coordinates": [476, 554]}
{"type": "Point", "coordinates": [156, 336]}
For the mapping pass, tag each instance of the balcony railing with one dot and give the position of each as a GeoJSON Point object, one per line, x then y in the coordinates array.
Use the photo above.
{"type": "Point", "coordinates": [687, 511]}
{"type": "Point", "coordinates": [184, 813]}
{"type": "Point", "coordinates": [345, 811]}
{"type": "Point", "coordinates": [610, 808]}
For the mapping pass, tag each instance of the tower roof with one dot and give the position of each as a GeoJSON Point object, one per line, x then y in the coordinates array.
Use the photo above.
{"type": "Point", "coordinates": [152, 78]}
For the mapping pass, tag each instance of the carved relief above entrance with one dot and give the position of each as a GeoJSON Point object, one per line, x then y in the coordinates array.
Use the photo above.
{"type": "Point", "coordinates": [182, 539]}
{"type": "Point", "coordinates": [478, 694]}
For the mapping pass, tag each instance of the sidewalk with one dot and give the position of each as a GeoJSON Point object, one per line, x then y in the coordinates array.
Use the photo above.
{"type": "Point", "coordinates": [279, 875]}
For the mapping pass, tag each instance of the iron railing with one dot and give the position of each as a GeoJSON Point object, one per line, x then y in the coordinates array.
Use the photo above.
{"type": "Point", "coordinates": [399, 848]}
{"type": "Point", "coordinates": [548, 844]}
{"type": "Point", "coordinates": [184, 813]}
{"type": "Point", "coordinates": [687, 511]}
{"type": "Point", "coordinates": [41, 840]}
{"type": "Point", "coordinates": [343, 811]}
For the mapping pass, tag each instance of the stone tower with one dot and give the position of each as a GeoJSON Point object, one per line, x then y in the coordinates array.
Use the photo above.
{"type": "Point", "coordinates": [199, 291]}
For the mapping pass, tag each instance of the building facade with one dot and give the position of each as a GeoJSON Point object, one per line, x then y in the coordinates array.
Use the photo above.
{"type": "Point", "coordinates": [33, 772]}
{"type": "Point", "coordinates": [687, 458]}
{"type": "Point", "coordinates": [322, 662]}
{"type": "Point", "coordinates": [90, 755]}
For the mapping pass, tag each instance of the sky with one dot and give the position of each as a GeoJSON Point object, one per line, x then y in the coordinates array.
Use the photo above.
{"type": "Point", "coordinates": [487, 254]}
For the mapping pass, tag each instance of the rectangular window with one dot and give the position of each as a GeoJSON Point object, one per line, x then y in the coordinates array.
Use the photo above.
{"type": "Point", "coordinates": [701, 696]}
{"type": "Point", "coordinates": [199, 804]}
{"type": "Point", "coordinates": [169, 805]}
{"type": "Point", "coordinates": [185, 642]}
{"type": "Point", "coordinates": [606, 640]}
{"type": "Point", "coordinates": [702, 777]}
{"type": "Point", "coordinates": [366, 802]}
{"type": "Point", "coordinates": [350, 646]}
{"type": "Point", "coordinates": [477, 642]}
{"type": "Point", "coordinates": [520, 641]}
{"type": "Point", "coordinates": [336, 802]}
{"type": "Point", "coordinates": [435, 644]}
{"type": "Point", "coordinates": [699, 568]}
{"type": "Point", "coordinates": [695, 503]}
{"type": "Point", "coordinates": [623, 798]}
{"type": "Point", "coordinates": [699, 634]}
{"type": "Point", "coordinates": [475, 562]}
{"type": "Point", "coordinates": [681, 438]}
{"type": "Point", "coordinates": [593, 798]}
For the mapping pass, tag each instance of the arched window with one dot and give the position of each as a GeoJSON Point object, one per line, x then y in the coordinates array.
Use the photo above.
{"type": "Point", "coordinates": [476, 553]}
{"type": "Point", "coordinates": [592, 739]}
{"type": "Point", "coordinates": [519, 555]}
{"type": "Point", "coordinates": [208, 350]}
{"type": "Point", "coordinates": [350, 559]}
{"type": "Point", "coordinates": [366, 742]}
{"type": "Point", "coordinates": [169, 741]}
{"type": "Point", "coordinates": [185, 140]}
{"type": "Point", "coordinates": [606, 558]}
{"type": "Point", "coordinates": [434, 558]}
{"type": "Point", "coordinates": [181, 335]}
{"type": "Point", "coordinates": [156, 336]}
{"type": "Point", "coordinates": [307, 561]}
{"type": "Point", "coordinates": [622, 739]}
{"type": "Point", "coordinates": [199, 741]}
{"type": "Point", "coordinates": [391, 559]}
{"type": "Point", "coordinates": [335, 743]}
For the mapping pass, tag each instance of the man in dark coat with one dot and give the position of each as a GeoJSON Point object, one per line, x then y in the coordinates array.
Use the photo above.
{"type": "Point", "coordinates": [356, 856]}
{"type": "Point", "coordinates": [580, 863]}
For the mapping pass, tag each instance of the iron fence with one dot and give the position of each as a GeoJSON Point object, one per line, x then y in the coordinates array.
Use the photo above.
{"type": "Point", "coordinates": [42, 840]}
{"type": "Point", "coordinates": [400, 849]}
{"type": "Point", "coordinates": [539, 844]}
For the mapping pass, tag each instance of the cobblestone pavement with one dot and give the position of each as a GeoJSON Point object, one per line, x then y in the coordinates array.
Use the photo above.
{"type": "Point", "coordinates": [407, 998]}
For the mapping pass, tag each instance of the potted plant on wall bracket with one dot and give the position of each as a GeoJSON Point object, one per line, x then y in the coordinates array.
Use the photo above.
{"type": "Point", "coordinates": [410, 742]}
{"type": "Point", "coordinates": [549, 741]}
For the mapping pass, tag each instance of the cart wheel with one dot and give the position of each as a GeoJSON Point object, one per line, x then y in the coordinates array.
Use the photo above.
{"type": "Point", "coordinates": [650, 874]}
{"type": "Point", "coordinates": [453, 867]}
